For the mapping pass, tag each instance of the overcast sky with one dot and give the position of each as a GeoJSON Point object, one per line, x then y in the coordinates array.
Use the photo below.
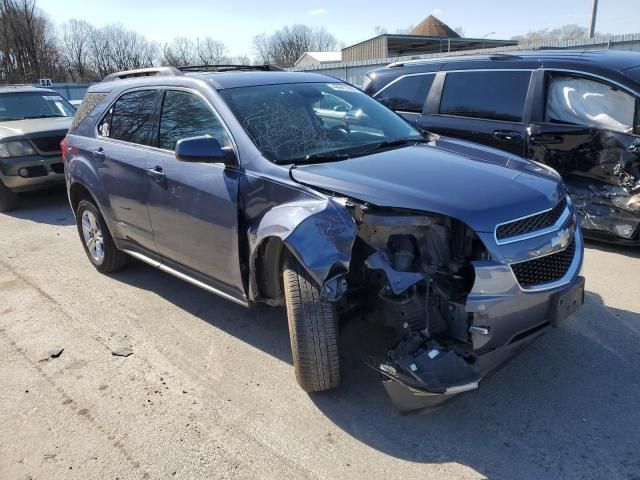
{"type": "Point", "coordinates": [235, 22]}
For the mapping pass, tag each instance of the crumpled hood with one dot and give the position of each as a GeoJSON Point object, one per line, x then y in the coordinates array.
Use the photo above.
{"type": "Point", "coordinates": [477, 185]}
{"type": "Point", "coordinates": [18, 128]}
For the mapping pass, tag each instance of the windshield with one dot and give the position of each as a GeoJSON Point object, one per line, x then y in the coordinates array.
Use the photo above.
{"type": "Point", "coordinates": [20, 106]}
{"type": "Point", "coordinates": [297, 123]}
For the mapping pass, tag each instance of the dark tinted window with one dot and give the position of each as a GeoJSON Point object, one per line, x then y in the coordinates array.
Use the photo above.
{"type": "Point", "coordinates": [186, 115]}
{"type": "Point", "coordinates": [492, 95]}
{"type": "Point", "coordinates": [131, 119]}
{"type": "Point", "coordinates": [407, 94]}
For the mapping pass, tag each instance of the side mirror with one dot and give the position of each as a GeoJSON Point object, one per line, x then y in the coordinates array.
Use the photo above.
{"type": "Point", "coordinates": [203, 149]}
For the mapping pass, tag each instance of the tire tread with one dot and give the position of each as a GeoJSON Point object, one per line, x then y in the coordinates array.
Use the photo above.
{"type": "Point", "coordinates": [313, 330]}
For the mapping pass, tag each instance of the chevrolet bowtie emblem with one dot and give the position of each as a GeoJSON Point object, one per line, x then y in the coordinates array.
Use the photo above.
{"type": "Point", "coordinates": [562, 239]}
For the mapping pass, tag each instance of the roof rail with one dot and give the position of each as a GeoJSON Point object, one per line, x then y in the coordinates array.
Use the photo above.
{"type": "Point", "coordinates": [143, 72]}
{"type": "Point", "coordinates": [503, 56]}
{"type": "Point", "coordinates": [228, 68]}
{"type": "Point", "coordinates": [550, 48]}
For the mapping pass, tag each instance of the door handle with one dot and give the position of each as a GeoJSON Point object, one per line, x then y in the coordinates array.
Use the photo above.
{"type": "Point", "coordinates": [157, 175]}
{"type": "Point", "coordinates": [99, 154]}
{"type": "Point", "coordinates": [507, 135]}
{"type": "Point", "coordinates": [546, 139]}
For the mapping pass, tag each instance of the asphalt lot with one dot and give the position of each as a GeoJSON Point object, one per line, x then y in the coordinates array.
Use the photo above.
{"type": "Point", "coordinates": [209, 391]}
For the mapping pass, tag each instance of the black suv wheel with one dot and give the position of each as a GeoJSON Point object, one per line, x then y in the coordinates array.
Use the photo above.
{"type": "Point", "coordinates": [96, 239]}
{"type": "Point", "coordinates": [313, 328]}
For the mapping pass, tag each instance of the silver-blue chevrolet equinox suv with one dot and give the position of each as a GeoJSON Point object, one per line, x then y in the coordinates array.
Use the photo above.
{"type": "Point", "coordinates": [297, 189]}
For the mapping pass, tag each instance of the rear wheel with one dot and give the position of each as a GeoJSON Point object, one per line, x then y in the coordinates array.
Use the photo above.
{"type": "Point", "coordinates": [8, 199]}
{"type": "Point", "coordinates": [96, 239]}
{"type": "Point", "coordinates": [313, 329]}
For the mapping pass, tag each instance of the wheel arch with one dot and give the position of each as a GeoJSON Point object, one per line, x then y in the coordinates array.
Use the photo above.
{"type": "Point", "coordinates": [267, 268]}
{"type": "Point", "coordinates": [79, 192]}
{"type": "Point", "coordinates": [318, 233]}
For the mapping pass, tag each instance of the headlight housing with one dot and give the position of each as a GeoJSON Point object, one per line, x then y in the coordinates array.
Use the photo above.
{"type": "Point", "coordinates": [16, 148]}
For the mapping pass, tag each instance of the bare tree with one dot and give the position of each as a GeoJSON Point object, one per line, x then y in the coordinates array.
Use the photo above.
{"type": "Point", "coordinates": [27, 43]}
{"type": "Point", "coordinates": [74, 38]}
{"type": "Point", "coordinates": [211, 52]}
{"type": "Point", "coordinates": [113, 48]}
{"type": "Point", "coordinates": [239, 60]}
{"type": "Point", "coordinates": [563, 33]}
{"type": "Point", "coordinates": [379, 30]}
{"type": "Point", "coordinates": [31, 48]}
{"type": "Point", "coordinates": [181, 51]}
{"type": "Point", "coordinates": [283, 47]}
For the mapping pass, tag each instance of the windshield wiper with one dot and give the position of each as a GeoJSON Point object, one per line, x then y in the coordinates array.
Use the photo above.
{"type": "Point", "coordinates": [390, 143]}
{"type": "Point", "coordinates": [322, 157]}
{"type": "Point", "coordinates": [356, 152]}
{"type": "Point", "coordinates": [7, 119]}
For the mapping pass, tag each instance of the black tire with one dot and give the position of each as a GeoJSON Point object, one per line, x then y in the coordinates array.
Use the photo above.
{"type": "Point", "coordinates": [8, 199]}
{"type": "Point", "coordinates": [113, 259]}
{"type": "Point", "coordinates": [313, 329]}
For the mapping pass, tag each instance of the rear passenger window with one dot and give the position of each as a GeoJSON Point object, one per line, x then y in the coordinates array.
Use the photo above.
{"type": "Point", "coordinates": [131, 119]}
{"type": "Point", "coordinates": [407, 94]}
{"type": "Point", "coordinates": [578, 101]}
{"type": "Point", "coordinates": [185, 115]}
{"type": "Point", "coordinates": [494, 95]}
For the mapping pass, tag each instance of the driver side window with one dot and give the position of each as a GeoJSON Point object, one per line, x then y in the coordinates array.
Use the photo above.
{"type": "Point", "coordinates": [186, 115]}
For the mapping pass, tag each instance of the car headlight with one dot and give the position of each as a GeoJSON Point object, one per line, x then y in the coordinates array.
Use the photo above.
{"type": "Point", "coordinates": [16, 148]}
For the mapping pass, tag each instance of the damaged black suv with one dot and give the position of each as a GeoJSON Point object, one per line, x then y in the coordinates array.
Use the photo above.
{"type": "Point", "coordinates": [297, 189]}
{"type": "Point", "coordinates": [576, 111]}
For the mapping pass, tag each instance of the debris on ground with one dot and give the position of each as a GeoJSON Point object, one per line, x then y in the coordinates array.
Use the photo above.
{"type": "Point", "coordinates": [53, 353]}
{"type": "Point", "coordinates": [122, 351]}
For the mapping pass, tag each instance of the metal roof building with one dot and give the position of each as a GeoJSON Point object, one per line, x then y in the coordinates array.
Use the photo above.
{"type": "Point", "coordinates": [429, 36]}
{"type": "Point", "coordinates": [317, 58]}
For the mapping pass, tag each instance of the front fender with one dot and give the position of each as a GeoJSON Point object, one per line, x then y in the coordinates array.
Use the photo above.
{"type": "Point", "coordinates": [319, 232]}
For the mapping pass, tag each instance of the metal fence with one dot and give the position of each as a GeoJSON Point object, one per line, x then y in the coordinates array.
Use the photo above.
{"type": "Point", "coordinates": [354, 72]}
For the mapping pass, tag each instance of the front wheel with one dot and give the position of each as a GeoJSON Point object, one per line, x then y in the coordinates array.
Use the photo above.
{"type": "Point", "coordinates": [96, 239]}
{"type": "Point", "coordinates": [313, 328]}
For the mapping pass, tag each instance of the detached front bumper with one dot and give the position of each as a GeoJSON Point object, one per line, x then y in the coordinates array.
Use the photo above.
{"type": "Point", "coordinates": [542, 313]}
{"type": "Point", "coordinates": [505, 317]}
{"type": "Point", "coordinates": [22, 174]}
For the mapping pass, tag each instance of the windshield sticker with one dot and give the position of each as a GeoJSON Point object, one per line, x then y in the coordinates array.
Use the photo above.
{"type": "Point", "coordinates": [55, 98]}
{"type": "Point", "coordinates": [342, 87]}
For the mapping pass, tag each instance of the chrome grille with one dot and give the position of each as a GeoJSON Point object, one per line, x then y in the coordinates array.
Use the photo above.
{"type": "Point", "coordinates": [531, 224]}
{"type": "Point", "coordinates": [543, 270]}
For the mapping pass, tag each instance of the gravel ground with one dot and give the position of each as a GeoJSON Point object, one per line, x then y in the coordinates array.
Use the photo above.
{"type": "Point", "coordinates": [209, 390]}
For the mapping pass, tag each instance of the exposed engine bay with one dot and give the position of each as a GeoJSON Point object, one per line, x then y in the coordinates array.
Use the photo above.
{"type": "Point", "coordinates": [416, 273]}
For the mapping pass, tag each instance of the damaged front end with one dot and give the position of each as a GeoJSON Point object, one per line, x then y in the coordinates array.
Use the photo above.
{"type": "Point", "coordinates": [607, 210]}
{"type": "Point", "coordinates": [417, 273]}
{"type": "Point", "coordinates": [602, 172]}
